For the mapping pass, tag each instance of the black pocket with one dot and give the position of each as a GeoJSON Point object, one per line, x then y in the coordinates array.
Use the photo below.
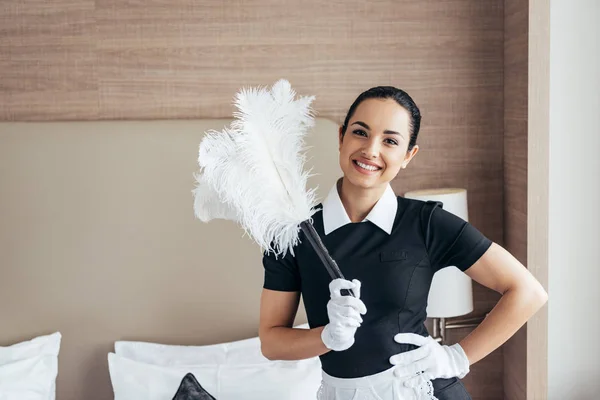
{"type": "Point", "coordinates": [450, 389]}
{"type": "Point", "coordinates": [393, 255]}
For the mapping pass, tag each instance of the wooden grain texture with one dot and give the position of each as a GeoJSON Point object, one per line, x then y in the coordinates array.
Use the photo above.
{"type": "Point", "coordinates": [48, 63]}
{"type": "Point", "coordinates": [516, 23]}
{"type": "Point", "coordinates": [108, 59]}
{"type": "Point", "coordinates": [145, 60]}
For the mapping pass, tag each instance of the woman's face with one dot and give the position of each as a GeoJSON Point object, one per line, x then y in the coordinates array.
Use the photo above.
{"type": "Point", "coordinates": [374, 146]}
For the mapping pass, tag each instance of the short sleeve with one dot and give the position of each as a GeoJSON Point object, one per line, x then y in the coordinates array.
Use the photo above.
{"type": "Point", "coordinates": [450, 240]}
{"type": "Point", "coordinates": [281, 273]}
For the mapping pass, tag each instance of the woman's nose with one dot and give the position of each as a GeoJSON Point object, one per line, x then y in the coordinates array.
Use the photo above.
{"type": "Point", "coordinates": [371, 150]}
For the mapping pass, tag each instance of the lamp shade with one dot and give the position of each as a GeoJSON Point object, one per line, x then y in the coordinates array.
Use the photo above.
{"type": "Point", "coordinates": [451, 293]}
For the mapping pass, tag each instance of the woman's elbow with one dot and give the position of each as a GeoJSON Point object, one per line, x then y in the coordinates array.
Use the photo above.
{"type": "Point", "coordinates": [267, 353]}
{"type": "Point", "coordinates": [265, 348]}
{"type": "Point", "coordinates": [538, 296]}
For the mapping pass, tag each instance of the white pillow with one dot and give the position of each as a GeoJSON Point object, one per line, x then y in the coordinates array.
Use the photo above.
{"type": "Point", "coordinates": [233, 370]}
{"type": "Point", "coordinates": [28, 369]}
{"type": "Point", "coordinates": [134, 380]}
{"type": "Point", "coordinates": [241, 351]}
{"type": "Point", "coordinates": [165, 354]}
{"type": "Point", "coordinates": [275, 380]}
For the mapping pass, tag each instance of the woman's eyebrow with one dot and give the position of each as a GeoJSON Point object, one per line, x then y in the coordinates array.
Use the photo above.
{"type": "Point", "coordinates": [389, 132]}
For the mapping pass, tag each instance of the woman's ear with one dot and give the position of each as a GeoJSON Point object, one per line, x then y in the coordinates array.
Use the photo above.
{"type": "Point", "coordinates": [340, 137]}
{"type": "Point", "coordinates": [409, 156]}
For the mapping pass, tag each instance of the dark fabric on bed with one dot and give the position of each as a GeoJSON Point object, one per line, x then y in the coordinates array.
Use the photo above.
{"type": "Point", "coordinates": [190, 389]}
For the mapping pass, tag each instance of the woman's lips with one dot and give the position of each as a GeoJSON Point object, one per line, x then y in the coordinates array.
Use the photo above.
{"type": "Point", "coordinates": [363, 170]}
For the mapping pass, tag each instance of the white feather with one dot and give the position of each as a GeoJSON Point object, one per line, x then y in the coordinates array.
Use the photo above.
{"type": "Point", "coordinates": [207, 205]}
{"type": "Point", "coordinates": [253, 172]}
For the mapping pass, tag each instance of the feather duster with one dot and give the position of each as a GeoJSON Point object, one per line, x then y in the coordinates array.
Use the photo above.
{"type": "Point", "coordinates": [252, 172]}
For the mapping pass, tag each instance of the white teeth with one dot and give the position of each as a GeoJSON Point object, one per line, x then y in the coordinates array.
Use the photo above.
{"type": "Point", "coordinates": [365, 166]}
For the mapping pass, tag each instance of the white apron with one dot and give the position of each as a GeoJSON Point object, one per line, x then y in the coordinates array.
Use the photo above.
{"type": "Point", "coordinates": [381, 386]}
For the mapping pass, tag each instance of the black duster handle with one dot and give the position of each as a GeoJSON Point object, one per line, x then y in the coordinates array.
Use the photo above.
{"type": "Point", "coordinates": [315, 240]}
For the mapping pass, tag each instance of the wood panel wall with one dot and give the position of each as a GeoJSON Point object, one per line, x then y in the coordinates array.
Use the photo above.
{"type": "Point", "coordinates": [516, 14]}
{"type": "Point", "coordinates": [133, 59]}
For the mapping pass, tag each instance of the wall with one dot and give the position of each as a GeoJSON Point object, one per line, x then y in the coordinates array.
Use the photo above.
{"type": "Point", "coordinates": [104, 60]}
{"type": "Point", "coordinates": [537, 191]}
{"type": "Point", "coordinates": [98, 240]}
{"type": "Point", "coordinates": [516, 24]}
{"type": "Point", "coordinates": [574, 217]}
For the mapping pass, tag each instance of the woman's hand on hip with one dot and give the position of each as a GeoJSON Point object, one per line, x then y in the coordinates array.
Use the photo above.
{"type": "Point", "coordinates": [431, 359]}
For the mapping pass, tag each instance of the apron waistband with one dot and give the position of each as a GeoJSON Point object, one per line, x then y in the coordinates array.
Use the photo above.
{"type": "Point", "coordinates": [361, 382]}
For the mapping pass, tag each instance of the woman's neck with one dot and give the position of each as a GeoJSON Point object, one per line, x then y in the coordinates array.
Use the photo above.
{"type": "Point", "coordinates": [358, 201]}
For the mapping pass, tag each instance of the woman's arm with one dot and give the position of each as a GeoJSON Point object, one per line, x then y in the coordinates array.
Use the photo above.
{"type": "Point", "coordinates": [522, 296]}
{"type": "Point", "coordinates": [279, 341]}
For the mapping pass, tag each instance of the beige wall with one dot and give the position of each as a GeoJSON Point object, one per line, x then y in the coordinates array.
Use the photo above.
{"type": "Point", "coordinates": [537, 191]}
{"type": "Point", "coordinates": [83, 60]}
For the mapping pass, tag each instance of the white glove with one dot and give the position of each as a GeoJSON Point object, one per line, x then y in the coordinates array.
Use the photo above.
{"type": "Point", "coordinates": [344, 315]}
{"type": "Point", "coordinates": [430, 361]}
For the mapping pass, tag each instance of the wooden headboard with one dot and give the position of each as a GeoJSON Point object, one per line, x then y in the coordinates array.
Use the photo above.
{"type": "Point", "coordinates": [98, 240]}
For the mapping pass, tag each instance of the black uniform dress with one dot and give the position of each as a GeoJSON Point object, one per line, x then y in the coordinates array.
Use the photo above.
{"type": "Point", "coordinates": [395, 270]}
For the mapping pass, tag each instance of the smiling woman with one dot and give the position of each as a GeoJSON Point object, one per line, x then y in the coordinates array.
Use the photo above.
{"type": "Point", "coordinates": [375, 345]}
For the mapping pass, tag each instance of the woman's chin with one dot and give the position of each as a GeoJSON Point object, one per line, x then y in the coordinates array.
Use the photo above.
{"type": "Point", "coordinates": [364, 182]}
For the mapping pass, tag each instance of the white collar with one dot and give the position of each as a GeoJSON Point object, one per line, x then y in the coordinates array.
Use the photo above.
{"type": "Point", "coordinates": [382, 214]}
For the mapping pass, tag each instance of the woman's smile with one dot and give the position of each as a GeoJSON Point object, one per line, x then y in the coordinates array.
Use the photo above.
{"type": "Point", "coordinates": [365, 167]}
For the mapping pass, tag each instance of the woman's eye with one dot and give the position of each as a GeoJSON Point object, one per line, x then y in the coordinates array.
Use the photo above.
{"type": "Point", "coordinates": [359, 132]}
{"type": "Point", "coordinates": [392, 142]}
